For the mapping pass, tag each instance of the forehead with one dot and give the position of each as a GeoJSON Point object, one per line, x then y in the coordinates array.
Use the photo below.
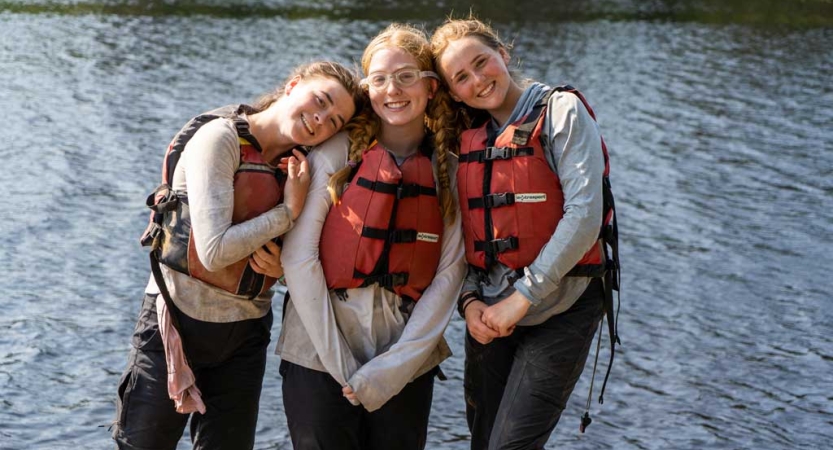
{"type": "Point", "coordinates": [390, 59]}
{"type": "Point", "coordinates": [459, 53]}
{"type": "Point", "coordinates": [342, 99]}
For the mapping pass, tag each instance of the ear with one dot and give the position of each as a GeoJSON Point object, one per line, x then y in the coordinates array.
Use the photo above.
{"type": "Point", "coordinates": [505, 55]}
{"type": "Point", "coordinates": [432, 88]}
{"type": "Point", "coordinates": [291, 84]}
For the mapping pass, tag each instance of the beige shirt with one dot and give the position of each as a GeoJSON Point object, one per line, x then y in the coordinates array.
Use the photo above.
{"type": "Point", "coordinates": [364, 340]}
{"type": "Point", "coordinates": [205, 172]}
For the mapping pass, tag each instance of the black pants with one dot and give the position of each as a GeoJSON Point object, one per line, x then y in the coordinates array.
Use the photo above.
{"type": "Point", "coordinates": [228, 360]}
{"type": "Point", "coordinates": [320, 418]}
{"type": "Point", "coordinates": [516, 387]}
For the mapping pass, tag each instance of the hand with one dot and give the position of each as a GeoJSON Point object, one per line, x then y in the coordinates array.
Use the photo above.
{"type": "Point", "coordinates": [267, 260]}
{"type": "Point", "coordinates": [350, 395]}
{"type": "Point", "coordinates": [474, 321]}
{"type": "Point", "coordinates": [503, 315]}
{"type": "Point", "coordinates": [297, 182]}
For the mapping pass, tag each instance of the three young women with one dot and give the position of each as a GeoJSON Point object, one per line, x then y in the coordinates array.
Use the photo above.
{"type": "Point", "coordinates": [222, 201]}
{"type": "Point", "coordinates": [530, 184]}
{"type": "Point", "coordinates": [375, 263]}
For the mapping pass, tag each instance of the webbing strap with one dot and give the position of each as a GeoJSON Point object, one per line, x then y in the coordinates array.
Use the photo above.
{"type": "Point", "coordinates": [493, 153]}
{"type": "Point", "coordinates": [492, 200]}
{"type": "Point", "coordinates": [386, 280]}
{"type": "Point", "coordinates": [496, 246]}
{"type": "Point", "coordinates": [169, 303]}
{"type": "Point", "coordinates": [400, 190]}
{"type": "Point", "coordinates": [392, 236]}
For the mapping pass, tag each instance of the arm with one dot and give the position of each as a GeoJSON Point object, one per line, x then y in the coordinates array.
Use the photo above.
{"type": "Point", "coordinates": [304, 273]}
{"type": "Point", "coordinates": [386, 374]}
{"type": "Point", "coordinates": [212, 156]}
{"type": "Point", "coordinates": [574, 142]}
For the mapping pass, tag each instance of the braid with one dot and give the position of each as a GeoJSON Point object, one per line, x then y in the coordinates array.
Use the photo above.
{"type": "Point", "coordinates": [361, 129]}
{"type": "Point", "coordinates": [446, 125]}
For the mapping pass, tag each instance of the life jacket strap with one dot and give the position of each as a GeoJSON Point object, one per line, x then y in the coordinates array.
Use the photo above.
{"type": "Point", "coordinates": [496, 246]}
{"type": "Point", "coordinates": [386, 280]}
{"type": "Point", "coordinates": [392, 236]}
{"type": "Point", "coordinates": [492, 200]}
{"type": "Point", "coordinates": [493, 153]}
{"type": "Point", "coordinates": [400, 190]}
{"type": "Point", "coordinates": [588, 270]}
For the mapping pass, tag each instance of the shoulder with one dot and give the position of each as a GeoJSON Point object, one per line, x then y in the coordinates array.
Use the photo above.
{"type": "Point", "coordinates": [331, 155]}
{"type": "Point", "coordinates": [562, 102]}
{"type": "Point", "coordinates": [218, 133]}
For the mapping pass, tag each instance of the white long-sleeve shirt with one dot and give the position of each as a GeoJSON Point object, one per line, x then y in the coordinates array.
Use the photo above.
{"type": "Point", "coordinates": [364, 340]}
{"type": "Point", "coordinates": [205, 172]}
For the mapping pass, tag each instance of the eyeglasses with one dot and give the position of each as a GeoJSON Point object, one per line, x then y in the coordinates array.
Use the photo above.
{"type": "Point", "coordinates": [403, 78]}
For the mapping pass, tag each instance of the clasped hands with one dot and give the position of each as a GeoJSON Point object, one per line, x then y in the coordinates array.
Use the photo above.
{"type": "Point", "coordinates": [485, 323]}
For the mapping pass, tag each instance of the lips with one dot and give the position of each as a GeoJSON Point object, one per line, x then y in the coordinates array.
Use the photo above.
{"type": "Point", "coordinates": [486, 92]}
{"type": "Point", "coordinates": [307, 126]}
{"type": "Point", "coordinates": [397, 105]}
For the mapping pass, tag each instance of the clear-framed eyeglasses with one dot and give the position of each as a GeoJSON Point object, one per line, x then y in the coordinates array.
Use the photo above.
{"type": "Point", "coordinates": [403, 78]}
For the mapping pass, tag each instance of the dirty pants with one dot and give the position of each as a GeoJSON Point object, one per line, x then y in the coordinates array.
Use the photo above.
{"type": "Point", "coordinates": [228, 360]}
{"type": "Point", "coordinates": [516, 387]}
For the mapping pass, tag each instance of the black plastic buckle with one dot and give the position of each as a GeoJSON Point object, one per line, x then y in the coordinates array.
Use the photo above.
{"type": "Point", "coordinates": [502, 245]}
{"type": "Point", "coordinates": [497, 200]}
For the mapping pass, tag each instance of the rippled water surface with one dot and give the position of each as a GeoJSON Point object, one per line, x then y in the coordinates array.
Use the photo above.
{"type": "Point", "coordinates": [720, 137]}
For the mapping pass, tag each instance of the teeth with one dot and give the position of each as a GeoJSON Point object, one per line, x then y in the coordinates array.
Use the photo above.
{"type": "Point", "coordinates": [306, 125]}
{"type": "Point", "coordinates": [487, 91]}
{"type": "Point", "coordinates": [396, 104]}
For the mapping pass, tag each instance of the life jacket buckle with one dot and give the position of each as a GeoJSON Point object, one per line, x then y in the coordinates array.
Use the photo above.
{"type": "Point", "coordinates": [498, 200]}
{"type": "Point", "coordinates": [493, 153]}
{"type": "Point", "coordinates": [407, 190]}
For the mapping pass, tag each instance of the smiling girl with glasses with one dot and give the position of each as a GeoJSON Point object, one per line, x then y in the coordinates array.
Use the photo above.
{"type": "Point", "coordinates": [375, 263]}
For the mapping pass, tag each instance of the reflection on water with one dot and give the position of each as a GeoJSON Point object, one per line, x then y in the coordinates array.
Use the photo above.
{"type": "Point", "coordinates": [721, 154]}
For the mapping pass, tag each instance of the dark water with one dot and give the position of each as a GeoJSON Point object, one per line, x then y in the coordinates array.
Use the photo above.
{"type": "Point", "coordinates": [719, 122]}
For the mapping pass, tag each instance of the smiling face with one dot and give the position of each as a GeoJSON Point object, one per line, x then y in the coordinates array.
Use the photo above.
{"type": "Point", "coordinates": [477, 74]}
{"type": "Point", "coordinates": [397, 105]}
{"type": "Point", "coordinates": [314, 109]}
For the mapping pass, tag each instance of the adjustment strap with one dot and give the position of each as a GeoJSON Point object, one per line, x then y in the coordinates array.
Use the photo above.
{"type": "Point", "coordinates": [493, 153]}
{"type": "Point", "coordinates": [497, 245]}
{"type": "Point", "coordinates": [387, 280]}
{"type": "Point", "coordinates": [392, 236]}
{"type": "Point", "coordinates": [492, 200]}
{"type": "Point", "coordinates": [401, 191]}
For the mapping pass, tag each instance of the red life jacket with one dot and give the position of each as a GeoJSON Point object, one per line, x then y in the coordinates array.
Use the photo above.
{"type": "Point", "coordinates": [510, 199]}
{"type": "Point", "coordinates": [387, 228]}
{"type": "Point", "coordinates": [257, 189]}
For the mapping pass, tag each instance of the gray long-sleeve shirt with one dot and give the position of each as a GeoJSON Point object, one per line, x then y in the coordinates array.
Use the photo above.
{"type": "Point", "coordinates": [573, 150]}
{"type": "Point", "coordinates": [205, 172]}
{"type": "Point", "coordinates": [365, 340]}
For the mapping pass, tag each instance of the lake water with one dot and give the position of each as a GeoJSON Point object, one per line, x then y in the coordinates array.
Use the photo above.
{"type": "Point", "coordinates": [718, 118]}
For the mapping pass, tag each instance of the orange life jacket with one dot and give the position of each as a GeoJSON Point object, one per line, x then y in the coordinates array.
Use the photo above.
{"type": "Point", "coordinates": [387, 228]}
{"type": "Point", "coordinates": [257, 189]}
{"type": "Point", "coordinates": [510, 199]}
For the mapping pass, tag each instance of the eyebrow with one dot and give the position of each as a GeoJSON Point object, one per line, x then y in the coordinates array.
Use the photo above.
{"type": "Point", "coordinates": [332, 103]}
{"type": "Point", "coordinates": [454, 77]}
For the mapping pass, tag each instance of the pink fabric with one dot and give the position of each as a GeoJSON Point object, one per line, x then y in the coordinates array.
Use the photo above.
{"type": "Point", "coordinates": [181, 387]}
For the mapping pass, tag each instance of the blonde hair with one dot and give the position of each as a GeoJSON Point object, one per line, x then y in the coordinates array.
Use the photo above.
{"type": "Point", "coordinates": [365, 126]}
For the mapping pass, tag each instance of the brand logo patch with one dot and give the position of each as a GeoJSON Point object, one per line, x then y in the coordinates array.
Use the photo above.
{"type": "Point", "coordinates": [531, 198]}
{"type": "Point", "coordinates": [428, 237]}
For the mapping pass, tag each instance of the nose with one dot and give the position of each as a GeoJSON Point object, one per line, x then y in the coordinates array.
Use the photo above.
{"type": "Point", "coordinates": [393, 86]}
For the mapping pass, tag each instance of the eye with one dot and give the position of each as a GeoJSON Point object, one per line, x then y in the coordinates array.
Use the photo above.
{"type": "Point", "coordinates": [407, 78]}
{"type": "Point", "coordinates": [378, 80]}
{"type": "Point", "coordinates": [335, 124]}
{"type": "Point", "coordinates": [480, 63]}
{"type": "Point", "coordinates": [319, 100]}
{"type": "Point", "coordinates": [461, 78]}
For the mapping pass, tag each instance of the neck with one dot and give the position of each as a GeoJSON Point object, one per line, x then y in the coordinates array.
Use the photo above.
{"type": "Point", "coordinates": [402, 140]}
{"type": "Point", "coordinates": [502, 113]}
{"type": "Point", "coordinates": [263, 128]}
